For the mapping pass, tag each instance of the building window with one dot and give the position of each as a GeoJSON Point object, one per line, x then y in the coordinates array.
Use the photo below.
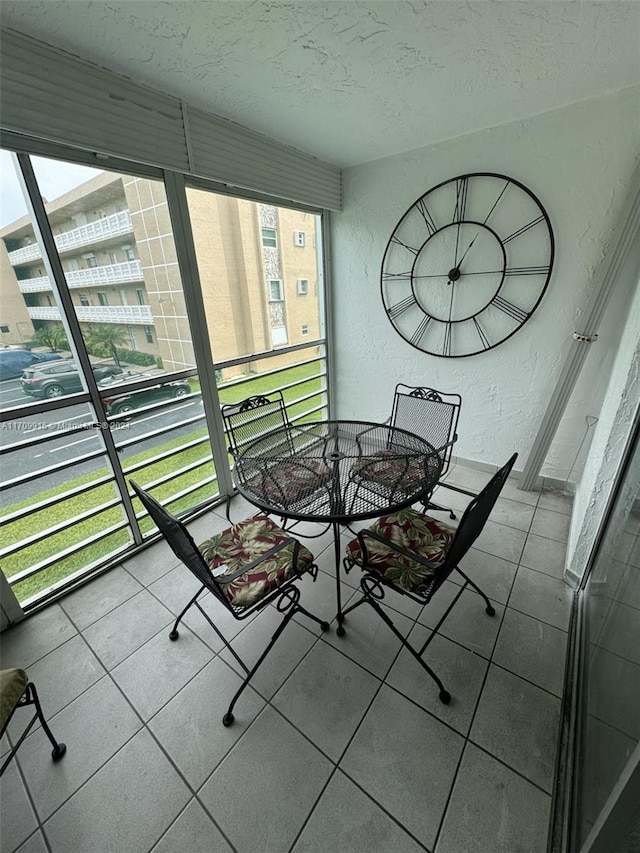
{"type": "Point", "coordinates": [148, 333]}
{"type": "Point", "coordinates": [84, 300]}
{"type": "Point", "coordinates": [141, 296]}
{"type": "Point", "coordinates": [278, 336]}
{"type": "Point", "coordinates": [269, 238]}
{"type": "Point", "coordinates": [92, 261]}
{"type": "Point", "coordinates": [133, 341]}
{"type": "Point", "coordinates": [129, 253]}
{"type": "Point", "coordinates": [4, 329]}
{"type": "Point", "coordinates": [103, 299]}
{"type": "Point", "coordinates": [299, 238]}
{"type": "Point", "coordinates": [113, 258]}
{"type": "Point", "coordinates": [275, 290]}
{"type": "Point", "coordinates": [304, 329]}
{"type": "Point", "coordinates": [303, 286]}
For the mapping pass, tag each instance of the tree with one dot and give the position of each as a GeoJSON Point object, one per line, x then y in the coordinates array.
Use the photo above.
{"type": "Point", "coordinates": [104, 338]}
{"type": "Point", "coordinates": [53, 337]}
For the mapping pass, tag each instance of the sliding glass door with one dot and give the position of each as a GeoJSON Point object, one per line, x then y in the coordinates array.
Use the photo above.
{"type": "Point", "coordinates": [606, 807]}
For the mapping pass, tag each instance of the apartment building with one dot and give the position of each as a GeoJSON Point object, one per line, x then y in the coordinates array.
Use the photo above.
{"type": "Point", "coordinates": [257, 265]}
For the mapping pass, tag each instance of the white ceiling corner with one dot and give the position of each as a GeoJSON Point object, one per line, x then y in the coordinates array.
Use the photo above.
{"type": "Point", "coordinates": [350, 81]}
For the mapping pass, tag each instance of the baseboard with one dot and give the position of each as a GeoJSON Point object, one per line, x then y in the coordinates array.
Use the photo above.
{"type": "Point", "coordinates": [542, 483]}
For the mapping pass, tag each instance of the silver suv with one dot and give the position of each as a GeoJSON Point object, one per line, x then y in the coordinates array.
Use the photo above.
{"type": "Point", "coordinates": [60, 378]}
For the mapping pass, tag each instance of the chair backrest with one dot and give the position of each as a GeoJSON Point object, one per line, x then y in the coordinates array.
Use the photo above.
{"type": "Point", "coordinates": [179, 540]}
{"type": "Point", "coordinates": [430, 414]}
{"type": "Point", "coordinates": [254, 418]}
{"type": "Point", "coordinates": [475, 517]}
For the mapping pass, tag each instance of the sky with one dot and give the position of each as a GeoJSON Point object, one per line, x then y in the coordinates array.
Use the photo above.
{"type": "Point", "coordinates": [54, 179]}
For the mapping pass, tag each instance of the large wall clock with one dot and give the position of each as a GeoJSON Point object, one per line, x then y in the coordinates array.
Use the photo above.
{"type": "Point", "coordinates": [467, 265]}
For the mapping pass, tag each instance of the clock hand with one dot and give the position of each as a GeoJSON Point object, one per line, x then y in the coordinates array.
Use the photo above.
{"type": "Point", "coordinates": [486, 219]}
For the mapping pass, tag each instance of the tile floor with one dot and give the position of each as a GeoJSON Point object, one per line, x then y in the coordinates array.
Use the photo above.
{"type": "Point", "coordinates": [341, 744]}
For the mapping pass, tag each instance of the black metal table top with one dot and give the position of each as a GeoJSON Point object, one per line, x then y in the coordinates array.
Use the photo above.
{"type": "Point", "coordinates": [336, 471]}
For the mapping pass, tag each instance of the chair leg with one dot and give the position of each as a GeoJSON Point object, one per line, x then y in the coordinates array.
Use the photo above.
{"type": "Point", "coordinates": [438, 508]}
{"type": "Point", "coordinates": [340, 629]}
{"type": "Point", "coordinates": [174, 634]}
{"type": "Point", "coordinates": [321, 622]}
{"type": "Point", "coordinates": [59, 749]}
{"type": "Point", "coordinates": [445, 696]}
{"type": "Point", "coordinates": [489, 609]}
{"type": "Point", "coordinates": [30, 697]}
{"type": "Point", "coordinates": [228, 718]}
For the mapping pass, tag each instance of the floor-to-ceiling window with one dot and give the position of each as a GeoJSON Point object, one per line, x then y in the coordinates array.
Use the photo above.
{"type": "Point", "coordinates": [262, 282]}
{"type": "Point", "coordinates": [100, 380]}
{"type": "Point", "coordinates": [606, 802]}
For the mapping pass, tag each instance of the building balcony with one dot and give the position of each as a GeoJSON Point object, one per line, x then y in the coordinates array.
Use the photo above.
{"type": "Point", "coordinates": [107, 274]}
{"type": "Point", "coordinates": [129, 315]}
{"type": "Point", "coordinates": [85, 235]}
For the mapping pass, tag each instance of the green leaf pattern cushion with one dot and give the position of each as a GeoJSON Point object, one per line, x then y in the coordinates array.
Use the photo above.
{"type": "Point", "coordinates": [244, 542]}
{"type": "Point", "coordinates": [397, 471]}
{"type": "Point", "coordinates": [414, 531]}
{"type": "Point", "coordinates": [13, 683]}
{"type": "Point", "coordinates": [289, 482]}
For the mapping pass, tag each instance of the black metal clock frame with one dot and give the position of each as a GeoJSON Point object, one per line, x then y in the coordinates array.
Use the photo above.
{"type": "Point", "coordinates": [429, 226]}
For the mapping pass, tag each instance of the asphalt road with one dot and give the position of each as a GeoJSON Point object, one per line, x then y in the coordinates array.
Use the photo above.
{"type": "Point", "coordinates": [68, 447]}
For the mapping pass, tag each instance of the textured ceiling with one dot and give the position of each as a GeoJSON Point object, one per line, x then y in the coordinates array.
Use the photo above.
{"type": "Point", "coordinates": [351, 81]}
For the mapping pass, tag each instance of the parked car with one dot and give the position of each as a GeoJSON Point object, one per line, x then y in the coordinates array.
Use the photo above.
{"type": "Point", "coordinates": [14, 361]}
{"type": "Point", "coordinates": [122, 402]}
{"type": "Point", "coordinates": [63, 377]}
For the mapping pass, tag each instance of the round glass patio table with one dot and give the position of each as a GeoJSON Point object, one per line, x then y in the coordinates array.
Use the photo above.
{"type": "Point", "coordinates": [335, 473]}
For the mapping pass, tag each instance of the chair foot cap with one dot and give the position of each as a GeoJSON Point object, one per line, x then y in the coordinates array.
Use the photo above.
{"type": "Point", "coordinates": [445, 697]}
{"type": "Point", "coordinates": [340, 631]}
{"type": "Point", "coordinates": [58, 751]}
{"type": "Point", "coordinates": [490, 611]}
{"type": "Point", "coordinates": [452, 516]}
{"type": "Point", "coordinates": [324, 626]}
{"type": "Point", "coordinates": [174, 635]}
{"type": "Point", "coordinates": [228, 719]}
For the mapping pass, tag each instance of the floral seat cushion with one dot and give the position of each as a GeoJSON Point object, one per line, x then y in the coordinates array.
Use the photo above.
{"type": "Point", "coordinates": [247, 541]}
{"type": "Point", "coordinates": [13, 683]}
{"type": "Point", "coordinates": [413, 531]}
{"type": "Point", "coordinates": [397, 471]}
{"type": "Point", "coordinates": [287, 483]}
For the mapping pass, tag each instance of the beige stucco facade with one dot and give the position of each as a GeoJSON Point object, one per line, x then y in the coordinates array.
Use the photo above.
{"type": "Point", "coordinates": [115, 241]}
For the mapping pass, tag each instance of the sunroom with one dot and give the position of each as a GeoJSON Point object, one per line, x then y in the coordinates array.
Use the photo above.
{"type": "Point", "coordinates": [202, 260]}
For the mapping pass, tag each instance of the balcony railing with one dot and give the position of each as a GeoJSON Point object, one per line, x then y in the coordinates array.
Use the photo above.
{"type": "Point", "coordinates": [84, 235]}
{"type": "Point", "coordinates": [187, 464]}
{"type": "Point", "coordinates": [107, 274]}
{"type": "Point", "coordinates": [133, 315]}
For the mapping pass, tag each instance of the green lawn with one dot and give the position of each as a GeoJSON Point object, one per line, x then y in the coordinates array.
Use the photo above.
{"type": "Point", "coordinates": [71, 508]}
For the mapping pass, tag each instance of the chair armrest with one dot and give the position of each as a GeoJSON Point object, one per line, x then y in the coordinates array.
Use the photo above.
{"type": "Point", "coordinates": [225, 579]}
{"type": "Point", "coordinates": [412, 555]}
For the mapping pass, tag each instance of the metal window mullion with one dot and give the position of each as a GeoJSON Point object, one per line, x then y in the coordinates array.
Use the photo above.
{"type": "Point", "coordinates": [325, 295]}
{"type": "Point", "coordinates": [57, 528]}
{"type": "Point", "coordinates": [67, 552]}
{"type": "Point", "coordinates": [51, 469]}
{"type": "Point", "coordinates": [59, 498]}
{"type": "Point", "coordinates": [267, 354]}
{"type": "Point", "coordinates": [196, 315]}
{"type": "Point", "coordinates": [53, 266]}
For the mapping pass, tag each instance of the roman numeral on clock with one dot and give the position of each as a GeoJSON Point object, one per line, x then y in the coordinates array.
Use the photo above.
{"type": "Point", "coordinates": [509, 308]}
{"type": "Point", "coordinates": [400, 307]}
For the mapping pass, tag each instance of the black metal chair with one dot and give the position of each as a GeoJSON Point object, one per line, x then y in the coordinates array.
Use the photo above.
{"type": "Point", "coordinates": [259, 418]}
{"type": "Point", "coordinates": [432, 415]}
{"type": "Point", "coordinates": [246, 567]}
{"type": "Point", "coordinates": [16, 691]}
{"type": "Point", "coordinates": [413, 554]}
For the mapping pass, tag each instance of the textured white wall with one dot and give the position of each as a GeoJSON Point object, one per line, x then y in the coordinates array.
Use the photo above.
{"type": "Point", "coordinates": [611, 435]}
{"type": "Point", "coordinates": [576, 160]}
